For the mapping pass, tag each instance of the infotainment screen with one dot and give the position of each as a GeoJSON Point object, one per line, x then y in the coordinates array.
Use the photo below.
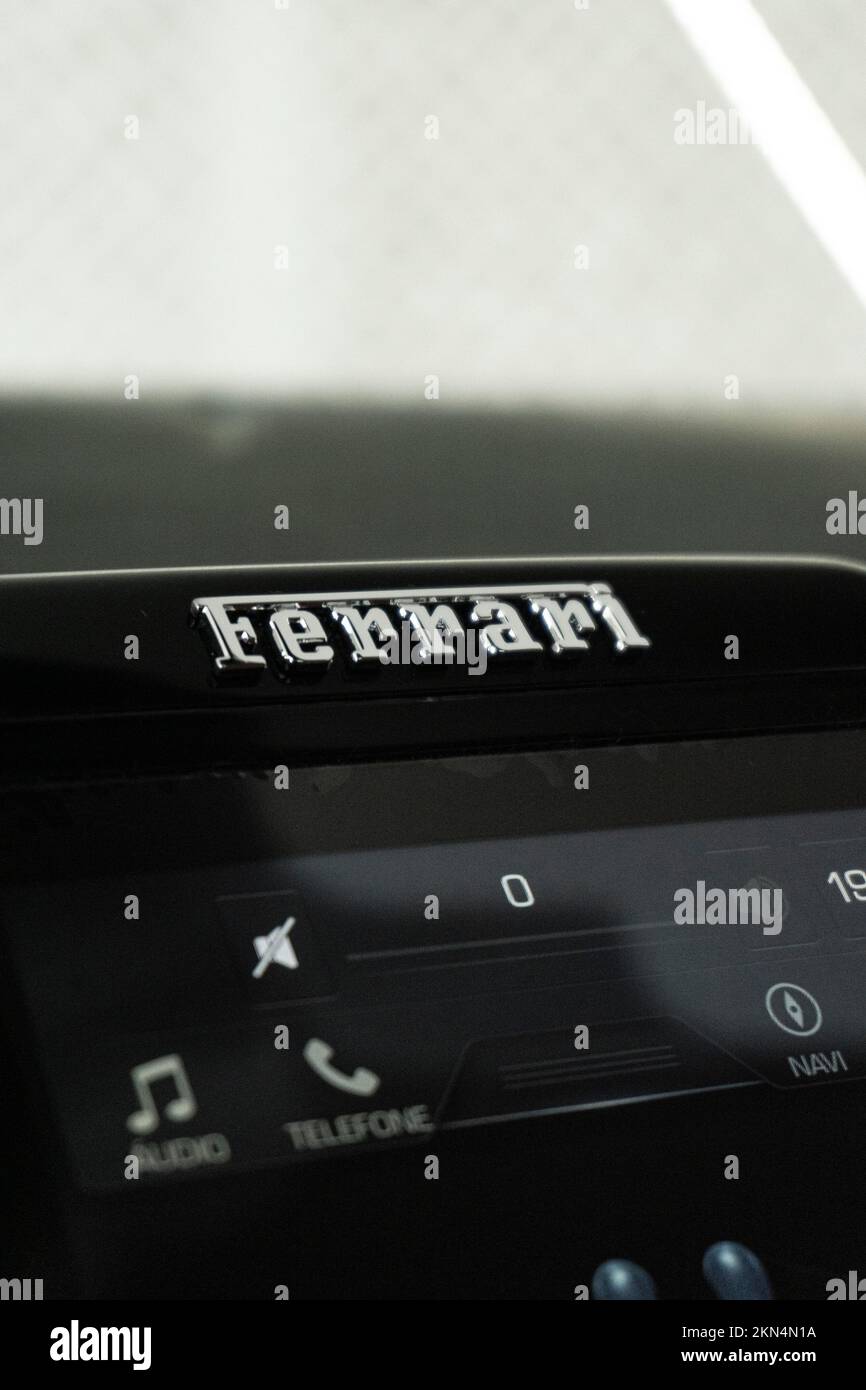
{"type": "Point", "coordinates": [270, 968]}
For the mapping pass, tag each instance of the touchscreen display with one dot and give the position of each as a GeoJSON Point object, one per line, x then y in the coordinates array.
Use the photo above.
{"type": "Point", "coordinates": [289, 978]}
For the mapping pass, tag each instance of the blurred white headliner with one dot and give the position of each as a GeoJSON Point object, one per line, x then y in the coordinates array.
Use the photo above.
{"type": "Point", "coordinates": [409, 257]}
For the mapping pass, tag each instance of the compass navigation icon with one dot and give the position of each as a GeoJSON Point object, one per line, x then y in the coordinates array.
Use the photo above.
{"type": "Point", "coordinates": [793, 1009]}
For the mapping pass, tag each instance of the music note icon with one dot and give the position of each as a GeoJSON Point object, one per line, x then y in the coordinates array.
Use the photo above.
{"type": "Point", "coordinates": [143, 1077]}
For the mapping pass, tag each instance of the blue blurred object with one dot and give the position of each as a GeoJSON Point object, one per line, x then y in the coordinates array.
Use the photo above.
{"type": "Point", "coordinates": [621, 1279]}
{"type": "Point", "coordinates": [734, 1272]}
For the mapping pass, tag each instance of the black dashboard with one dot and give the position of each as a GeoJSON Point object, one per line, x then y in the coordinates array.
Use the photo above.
{"type": "Point", "coordinates": [527, 976]}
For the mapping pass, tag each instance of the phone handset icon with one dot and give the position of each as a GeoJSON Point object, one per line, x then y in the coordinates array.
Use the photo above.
{"type": "Point", "coordinates": [361, 1082]}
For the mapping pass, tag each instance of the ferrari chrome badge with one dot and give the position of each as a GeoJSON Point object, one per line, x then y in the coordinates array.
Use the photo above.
{"type": "Point", "coordinates": [292, 633]}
